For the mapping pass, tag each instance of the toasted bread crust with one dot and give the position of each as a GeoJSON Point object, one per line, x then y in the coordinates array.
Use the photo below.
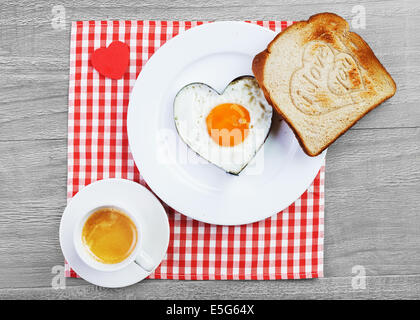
{"type": "Point", "coordinates": [258, 69]}
{"type": "Point", "coordinates": [366, 59]}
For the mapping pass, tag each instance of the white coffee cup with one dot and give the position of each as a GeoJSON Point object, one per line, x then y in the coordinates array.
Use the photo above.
{"type": "Point", "coordinates": [138, 256]}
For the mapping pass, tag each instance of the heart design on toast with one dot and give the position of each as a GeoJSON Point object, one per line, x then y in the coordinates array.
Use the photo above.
{"type": "Point", "coordinates": [326, 75]}
{"type": "Point", "coordinates": [226, 129]}
{"type": "Point", "coordinates": [112, 61]}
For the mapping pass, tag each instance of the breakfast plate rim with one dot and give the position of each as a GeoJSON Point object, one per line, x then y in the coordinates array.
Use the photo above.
{"type": "Point", "coordinates": [141, 156]}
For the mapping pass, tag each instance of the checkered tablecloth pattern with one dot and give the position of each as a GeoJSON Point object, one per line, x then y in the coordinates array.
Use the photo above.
{"type": "Point", "coordinates": [288, 245]}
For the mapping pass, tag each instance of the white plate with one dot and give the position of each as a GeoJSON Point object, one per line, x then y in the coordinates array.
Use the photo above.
{"type": "Point", "coordinates": [215, 54]}
{"type": "Point", "coordinates": [153, 225]}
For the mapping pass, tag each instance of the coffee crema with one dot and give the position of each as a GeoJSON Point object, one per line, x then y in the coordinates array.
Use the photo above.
{"type": "Point", "coordinates": [109, 235]}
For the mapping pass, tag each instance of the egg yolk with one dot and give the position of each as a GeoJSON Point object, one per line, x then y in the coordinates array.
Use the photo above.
{"type": "Point", "coordinates": [228, 124]}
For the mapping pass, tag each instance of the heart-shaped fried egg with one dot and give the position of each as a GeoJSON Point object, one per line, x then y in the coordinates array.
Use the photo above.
{"type": "Point", "coordinates": [225, 129]}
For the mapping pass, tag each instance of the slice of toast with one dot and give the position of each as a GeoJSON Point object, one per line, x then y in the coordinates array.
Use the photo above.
{"type": "Point", "coordinates": [321, 79]}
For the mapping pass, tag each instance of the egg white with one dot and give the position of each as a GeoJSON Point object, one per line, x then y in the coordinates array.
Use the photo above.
{"type": "Point", "coordinates": [194, 102]}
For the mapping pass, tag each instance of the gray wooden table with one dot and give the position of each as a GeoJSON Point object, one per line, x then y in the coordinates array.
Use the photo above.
{"type": "Point", "coordinates": [372, 175]}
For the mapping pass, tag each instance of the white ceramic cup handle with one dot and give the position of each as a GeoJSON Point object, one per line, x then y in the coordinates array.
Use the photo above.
{"type": "Point", "coordinates": [145, 261]}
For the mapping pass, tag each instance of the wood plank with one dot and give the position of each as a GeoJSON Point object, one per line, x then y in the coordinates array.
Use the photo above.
{"type": "Point", "coordinates": [34, 58]}
{"type": "Point", "coordinates": [372, 187]}
{"type": "Point", "coordinates": [383, 287]}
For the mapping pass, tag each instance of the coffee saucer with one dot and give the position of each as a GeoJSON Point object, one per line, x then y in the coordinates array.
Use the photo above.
{"type": "Point", "coordinates": [153, 227]}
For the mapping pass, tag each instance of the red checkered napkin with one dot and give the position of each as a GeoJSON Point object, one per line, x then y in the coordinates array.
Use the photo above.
{"type": "Point", "coordinates": [288, 245]}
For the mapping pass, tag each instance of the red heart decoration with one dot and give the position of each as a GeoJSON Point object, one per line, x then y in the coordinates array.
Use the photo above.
{"type": "Point", "coordinates": [111, 62]}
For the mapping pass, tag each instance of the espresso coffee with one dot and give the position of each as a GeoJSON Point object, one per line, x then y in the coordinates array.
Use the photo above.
{"type": "Point", "coordinates": [109, 235]}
